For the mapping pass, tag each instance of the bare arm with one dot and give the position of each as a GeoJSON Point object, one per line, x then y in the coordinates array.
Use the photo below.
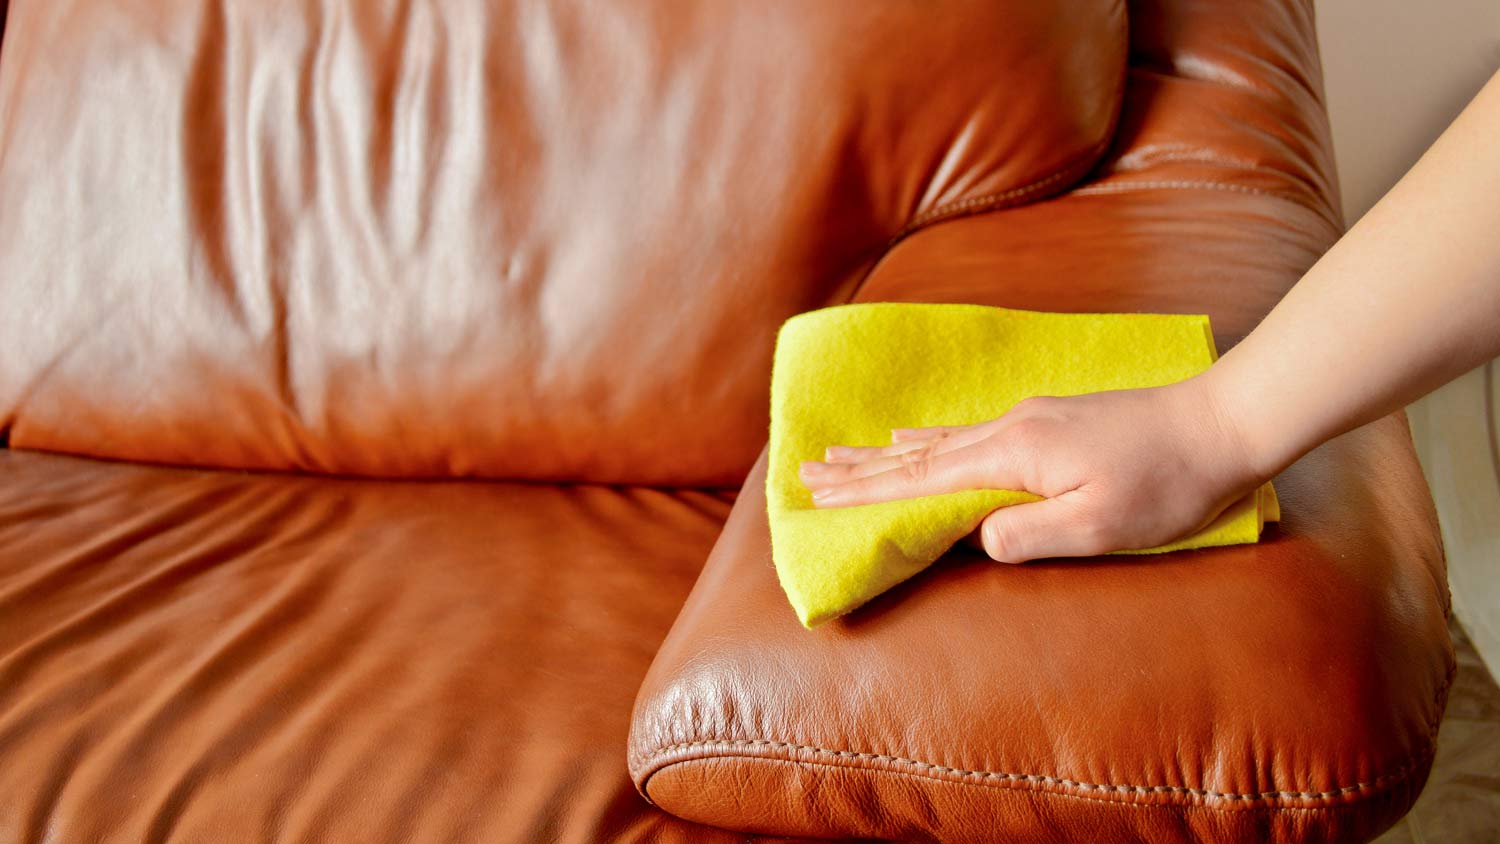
{"type": "Point", "coordinates": [1406, 301]}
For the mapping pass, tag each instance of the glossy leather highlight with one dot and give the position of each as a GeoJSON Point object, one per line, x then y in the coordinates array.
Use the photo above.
{"type": "Point", "coordinates": [504, 239]}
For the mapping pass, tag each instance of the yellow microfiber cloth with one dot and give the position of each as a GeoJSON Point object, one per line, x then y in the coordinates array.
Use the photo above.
{"type": "Point", "coordinates": [848, 375]}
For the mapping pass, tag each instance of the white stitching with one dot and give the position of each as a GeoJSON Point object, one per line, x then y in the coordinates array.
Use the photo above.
{"type": "Point", "coordinates": [1124, 187]}
{"type": "Point", "coordinates": [1399, 773]}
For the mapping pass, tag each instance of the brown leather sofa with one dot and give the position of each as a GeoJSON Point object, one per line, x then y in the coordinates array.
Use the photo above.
{"type": "Point", "coordinates": [379, 376]}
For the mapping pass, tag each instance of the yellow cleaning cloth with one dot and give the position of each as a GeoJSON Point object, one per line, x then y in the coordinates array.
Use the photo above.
{"type": "Point", "coordinates": [848, 375]}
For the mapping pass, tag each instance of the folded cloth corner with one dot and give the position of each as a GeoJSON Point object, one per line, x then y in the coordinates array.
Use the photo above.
{"type": "Point", "coordinates": [848, 375]}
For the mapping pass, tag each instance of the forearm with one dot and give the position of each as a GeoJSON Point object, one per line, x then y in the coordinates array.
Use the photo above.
{"type": "Point", "coordinates": [1408, 300]}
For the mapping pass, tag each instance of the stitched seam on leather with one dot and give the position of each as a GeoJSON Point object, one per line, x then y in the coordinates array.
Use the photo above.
{"type": "Point", "coordinates": [1245, 806]}
{"type": "Point", "coordinates": [988, 202]}
{"type": "Point", "coordinates": [1126, 187]}
{"type": "Point", "coordinates": [1400, 773]}
{"type": "Point", "coordinates": [1440, 696]}
{"type": "Point", "coordinates": [994, 201]}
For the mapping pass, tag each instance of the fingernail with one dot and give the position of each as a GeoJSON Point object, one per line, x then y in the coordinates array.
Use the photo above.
{"type": "Point", "coordinates": [812, 467]}
{"type": "Point", "coordinates": [832, 452]}
{"type": "Point", "coordinates": [822, 496]}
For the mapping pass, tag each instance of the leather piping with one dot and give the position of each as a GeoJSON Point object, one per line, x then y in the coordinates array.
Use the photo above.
{"type": "Point", "coordinates": [1107, 792]}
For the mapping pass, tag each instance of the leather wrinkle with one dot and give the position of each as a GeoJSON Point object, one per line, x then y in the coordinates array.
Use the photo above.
{"type": "Point", "coordinates": [206, 160]}
{"type": "Point", "coordinates": [243, 642]}
{"type": "Point", "coordinates": [59, 772]}
{"type": "Point", "coordinates": [118, 601]}
{"type": "Point", "coordinates": [296, 679]}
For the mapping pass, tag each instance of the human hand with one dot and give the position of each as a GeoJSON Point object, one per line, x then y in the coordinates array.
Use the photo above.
{"type": "Point", "coordinates": [1118, 470]}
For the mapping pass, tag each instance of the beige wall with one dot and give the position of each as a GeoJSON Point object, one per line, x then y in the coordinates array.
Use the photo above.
{"type": "Point", "coordinates": [1397, 71]}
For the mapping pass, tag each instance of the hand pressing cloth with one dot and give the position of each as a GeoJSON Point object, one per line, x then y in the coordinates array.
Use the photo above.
{"type": "Point", "coordinates": [848, 375]}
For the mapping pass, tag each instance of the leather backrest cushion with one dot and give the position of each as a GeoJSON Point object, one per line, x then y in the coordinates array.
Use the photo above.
{"type": "Point", "coordinates": [543, 239]}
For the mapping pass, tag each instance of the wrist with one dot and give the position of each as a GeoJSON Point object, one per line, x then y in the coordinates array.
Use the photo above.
{"type": "Point", "coordinates": [1237, 423]}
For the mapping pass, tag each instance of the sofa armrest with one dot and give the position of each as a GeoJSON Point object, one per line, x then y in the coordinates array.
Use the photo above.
{"type": "Point", "coordinates": [1287, 691]}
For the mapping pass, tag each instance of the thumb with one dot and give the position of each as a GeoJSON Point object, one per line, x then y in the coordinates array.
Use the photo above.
{"type": "Point", "coordinates": [1052, 527]}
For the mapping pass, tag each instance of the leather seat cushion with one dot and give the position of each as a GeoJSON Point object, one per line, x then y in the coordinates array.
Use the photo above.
{"type": "Point", "coordinates": [206, 657]}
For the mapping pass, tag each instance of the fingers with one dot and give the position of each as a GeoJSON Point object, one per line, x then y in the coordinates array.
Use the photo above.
{"type": "Point", "coordinates": [905, 434]}
{"type": "Point", "coordinates": [816, 476]}
{"type": "Point", "coordinates": [845, 463]}
{"type": "Point", "coordinates": [904, 440]}
{"type": "Point", "coordinates": [860, 454]}
{"type": "Point", "coordinates": [1052, 527]}
{"type": "Point", "coordinates": [913, 474]}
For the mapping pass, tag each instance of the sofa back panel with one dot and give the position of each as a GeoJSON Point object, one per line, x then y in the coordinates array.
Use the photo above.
{"type": "Point", "coordinates": [511, 238]}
